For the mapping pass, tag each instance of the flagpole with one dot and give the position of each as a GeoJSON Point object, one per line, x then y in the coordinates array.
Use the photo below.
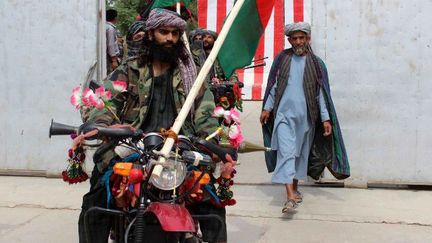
{"type": "Point", "coordinates": [184, 36]}
{"type": "Point", "coordinates": [178, 123]}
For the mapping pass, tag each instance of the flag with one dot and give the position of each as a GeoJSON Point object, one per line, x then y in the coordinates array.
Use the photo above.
{"type": "Point", "coordinates": [211, 15]}
{"type": "Point", "coordinates": [243, 37]}
{"type": "Point", "coordinates": [169, 3]}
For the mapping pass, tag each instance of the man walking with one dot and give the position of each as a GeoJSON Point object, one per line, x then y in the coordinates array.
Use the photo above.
{"type": "Point", "coordinates": [295, 101]}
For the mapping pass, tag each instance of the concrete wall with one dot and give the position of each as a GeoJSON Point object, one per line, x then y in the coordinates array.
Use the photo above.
{"type": "Point", "coordinates": [46, 48]}
{"type": "Point", "coordinates": [379, 59]}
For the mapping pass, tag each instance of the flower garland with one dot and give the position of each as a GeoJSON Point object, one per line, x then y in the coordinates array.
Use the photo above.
{"type": "Point", "coordinates": [74, 173]}
{"type": "Point", "coordinates": [228, 99]}
{"type": "Point", "coordinates": [229, 120]}
{"type": "Point", "coordinates": [230, 125]}
{"type": "Point", "coordinates": [100, 99]}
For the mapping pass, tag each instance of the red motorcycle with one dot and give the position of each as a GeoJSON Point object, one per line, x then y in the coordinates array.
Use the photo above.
{"type": "Point", "coordinates": [151, 207]}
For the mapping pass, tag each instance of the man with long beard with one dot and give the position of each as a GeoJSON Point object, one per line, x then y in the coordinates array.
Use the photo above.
{"type": "Point", "coordinates": [296, 107]}
{"type": "Point", "coordinates": [158, 82]}
{"type": "Point", "coordinates": [208, 39]}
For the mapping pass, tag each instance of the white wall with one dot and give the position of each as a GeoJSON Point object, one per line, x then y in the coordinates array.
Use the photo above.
{"type": "Point", "coordinates": [46, 47]}
{"type": "Point", "coordinates": [379, 58]}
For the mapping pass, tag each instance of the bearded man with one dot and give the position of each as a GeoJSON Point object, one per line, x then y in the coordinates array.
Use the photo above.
{"type": "Point", "coordinates": [202, 42]}
{"type": "Point", "coordinates": [297, 109]}
{"type": "Point", "coordinates": [209, 38]}
{"type": "Point", "coordinates": [158, 82]}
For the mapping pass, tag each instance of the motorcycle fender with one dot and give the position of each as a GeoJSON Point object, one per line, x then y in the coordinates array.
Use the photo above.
{"type": "Point", "coordinates": [172, 217]}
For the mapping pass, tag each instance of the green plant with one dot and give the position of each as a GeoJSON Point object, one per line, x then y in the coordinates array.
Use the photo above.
{"type": "Point", "coordinates": [129, 9]}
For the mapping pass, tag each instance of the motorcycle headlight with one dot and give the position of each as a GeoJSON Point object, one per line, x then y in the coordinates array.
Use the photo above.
{"type": "Point", "coordinates": [171, 175]}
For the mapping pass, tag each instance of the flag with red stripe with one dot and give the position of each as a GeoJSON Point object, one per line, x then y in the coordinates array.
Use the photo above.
{"type": "Point", "coordinates": [211, 14]}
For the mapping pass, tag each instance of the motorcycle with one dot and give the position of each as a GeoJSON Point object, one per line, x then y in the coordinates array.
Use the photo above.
{"type": "Point", "coordinates": [152, 207]}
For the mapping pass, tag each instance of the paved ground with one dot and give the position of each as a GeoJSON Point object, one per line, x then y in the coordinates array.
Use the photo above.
{"type": "Point", "coordinates": [46, 210]}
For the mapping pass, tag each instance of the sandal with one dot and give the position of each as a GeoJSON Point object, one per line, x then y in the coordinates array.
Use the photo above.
{"type": "Point", "coordinates": [289, 205]}
{"type": "Point", "coordinates": [299, 197]}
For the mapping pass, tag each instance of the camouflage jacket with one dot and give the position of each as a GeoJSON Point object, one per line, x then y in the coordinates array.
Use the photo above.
{"type": "Point", "coordinates": [132, 106]}
{"type": "Point", "coordinates": [199, 57]}
{"type": "Point", "coordinates": [219, 73]}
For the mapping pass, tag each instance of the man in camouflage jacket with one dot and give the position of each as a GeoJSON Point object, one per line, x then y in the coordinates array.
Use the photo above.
{"type": "Point", "coordinates": [200, 50]}
{"type": "Point", "coordinates": [161, 77]}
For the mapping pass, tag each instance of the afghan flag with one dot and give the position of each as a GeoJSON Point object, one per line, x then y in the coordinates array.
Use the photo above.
{"type": "Point", "coordinates": [170, 3]}
{"type": "Point", "coordinates": [242, 40]}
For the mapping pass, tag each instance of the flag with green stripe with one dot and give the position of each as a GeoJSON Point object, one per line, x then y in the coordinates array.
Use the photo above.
{"type": "Point", "coordinates": [242, 40]}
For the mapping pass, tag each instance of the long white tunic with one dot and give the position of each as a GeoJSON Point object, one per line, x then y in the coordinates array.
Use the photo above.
{"type": "Point", "coordinates": [293, 131]}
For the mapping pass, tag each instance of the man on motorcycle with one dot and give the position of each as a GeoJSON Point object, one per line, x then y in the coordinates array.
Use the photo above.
{"type": "Point", "coordinates": [158, 82]}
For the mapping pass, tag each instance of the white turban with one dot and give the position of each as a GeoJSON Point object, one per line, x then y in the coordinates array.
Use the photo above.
{"type": "Point", "coordinates": [299, 26]}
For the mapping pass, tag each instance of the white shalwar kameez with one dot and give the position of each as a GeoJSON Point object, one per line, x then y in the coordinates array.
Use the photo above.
{"type": "Point", "coordinates": [293, 131]}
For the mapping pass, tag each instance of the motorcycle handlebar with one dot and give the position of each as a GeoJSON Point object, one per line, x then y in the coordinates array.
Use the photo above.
{"type": "Point", "coordinates": [116, 133]}
{"type": "Point", "coordinates": [196, 158]}
{"type": "Point", "coordinates": [119, 133]}
{"type": "Point", "coordinates": [212, 148]}
{"type": "Point", "coordinates": [123, 133]}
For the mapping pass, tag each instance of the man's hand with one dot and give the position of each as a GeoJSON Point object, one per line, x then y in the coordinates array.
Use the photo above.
{"type": "Point", "coordinates": [327, 128]}
{"type": "Point", "coordinates": [264, 117]}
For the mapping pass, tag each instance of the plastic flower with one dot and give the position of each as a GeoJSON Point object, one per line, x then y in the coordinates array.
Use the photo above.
{"type": "Point", "coordinates": [86, 97]}
{"type": "Point", "coordinates": [235, 136]}
{"type": "Point", "coordinates": [219, 111]}
{"type": "Point", "coordinates": [103, 94]}
{"type": "Point", "coordinates": [119, 86]}
{"type": "Point", "coordinates": [96, 102]}
{"type": "Point", "coordinates": [75, 98]}
{"type": "Point", "coordinates": [230, 115]}
{"type": "Point", "coordinates": [98, 98]}
{"type": "Point", "coordinates": [235, 115]}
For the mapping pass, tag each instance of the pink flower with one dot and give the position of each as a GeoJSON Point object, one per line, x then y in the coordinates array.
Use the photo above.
{"type": "Point", "coordinates": [86, 97]}
{"type": "Point", "coordinates": [96, 102]}
{"type": "Point", "coordinates": [219, 112]}
{"type": "Point", "coordinates": [96, 99]}
{"type": "Point", "coordinates": [234, 131]}
{"type": "Point", "coordinates": [235, 115]}
{"type": "Point", "coordinates": [102, 93]}
{"type": "Point", "coordinates": [89, 98]}
{"type": "Point", "coordinates": [235, 136]}
{"type": "Point", "coordinates": [119, 86]}
{"type": "Point", "coordinates": [237, 141]}
{"type": "Point", "coordinates": [75, 98]}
